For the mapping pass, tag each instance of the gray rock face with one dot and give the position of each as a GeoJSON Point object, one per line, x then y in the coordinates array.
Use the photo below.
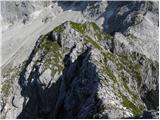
{"type": "Point", "coordinates": [72, 66]}
{"type": "Point", "coordinates": [94, 10]}
{"type": "Point", "coordinates": [12, 11]}
{"type": "Point", "coordinates": [147, 115]}
{"type": "Point", "coordinates": [78, 71]}
{"type": "Point", "coordinates": [129, 18]}
{"type": "Point", "coordinates": [125, 14]}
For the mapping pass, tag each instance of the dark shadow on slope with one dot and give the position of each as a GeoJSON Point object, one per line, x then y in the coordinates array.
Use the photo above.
{"type": "Point", "coordinates": [121, 15]}
{"type": "Point", "coordinates": [73, 95]}
{"type": "Point", "coordinates": [22, 80]}
{"type": "Point", "coordinates": [78, 98]}
{"type": "Point", "coordinates": [150, 90]}
{"type": "Point", "coordinates": [151, 98]}
{"type": "Point", "coordinates": [73, 5]}
{"type": "Point", "coordinates": [37, 102]}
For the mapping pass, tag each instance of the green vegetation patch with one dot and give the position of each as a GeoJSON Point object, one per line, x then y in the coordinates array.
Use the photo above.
{"type": "Point", "coordinates": [9, 74]}
{"type": "Point", "coordinates": [6, 88]}
{"type": "Point", "coordinates": [107, 56]}
{"type": "Point", "coordinates": [59, 28]}
{"type": "Point", "coordinates": [94, 26]}
{"type": "Point", "coordinates": [122, 62]}
{"type": "Point", "coordinates": [128, 104]}
{"type": "Point", "coordinates": [93, 43]}
{"type": "Point", "coordinates": [54, 54]}
{"type": "Point", "coordinates": [107, 71]}
{"type": "Point", "coordinates": [55, 63]}
{"type": "Point", "coordinates": [78, 27]}
{"type": "Point", "coordinates": [50, 45]}
{"type": "Point", "coordinates": [137, 73]}
{"type": "Point", "coordinates": [86, 27]}
{"type": "Point", "coordinates": [127, 63]}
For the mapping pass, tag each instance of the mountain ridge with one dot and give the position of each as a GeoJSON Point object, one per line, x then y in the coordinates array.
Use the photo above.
{"type": "Point", "coordinates": [44, 71]}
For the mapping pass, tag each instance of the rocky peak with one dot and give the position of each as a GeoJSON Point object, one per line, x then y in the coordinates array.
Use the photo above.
{"type": "Point", "coordinates": [85, 77]}
{"type": "Point", "coordinates": [79, 71]}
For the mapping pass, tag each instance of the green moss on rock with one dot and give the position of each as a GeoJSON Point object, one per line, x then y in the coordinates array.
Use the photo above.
{"type": "Point", "coordinates": [59, 28]}
{"type": "Point", "coordinates": [94, 44]}
{"type": "Point", "coordinates": [130, 105]}
{"type": "Point", "coordinates": [107, 71]}
{"type": "Point", "coordinates": [6, 88]}
{"type": "Point", "coordinates": [122, 62]}
{"type": "Point", "coordinates": [78, 27]}
{"type": "Point", "coordinates": [54, 54]}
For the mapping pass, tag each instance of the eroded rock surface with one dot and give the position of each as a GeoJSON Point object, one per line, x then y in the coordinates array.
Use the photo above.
{"type": "Point", "coordinates": [77, 70]}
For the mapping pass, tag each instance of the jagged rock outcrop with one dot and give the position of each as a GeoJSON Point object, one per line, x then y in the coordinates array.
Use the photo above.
{"type": "Point", "coordinates": [77, 70]}
{"type": "Point", "coordinates": [127, 19]}
{"type": "Point", "coordinates": [73, 72]}
{"type": "Point", "coordinates": [126, 14]}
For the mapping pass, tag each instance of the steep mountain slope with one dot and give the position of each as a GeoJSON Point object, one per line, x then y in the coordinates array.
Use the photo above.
{"type": "Point", "coordinates": [72, 72]}
{"type": "Point", "coordinates": [80, 59]}
{"type": "Point", "coordinates": [136, 18]}
{"type": "Point", "coordinates": [14, 11]}
{"type": "Point", "coordinates": [27, 34]}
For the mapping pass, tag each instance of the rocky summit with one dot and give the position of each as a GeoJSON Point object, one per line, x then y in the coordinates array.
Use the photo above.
{"type": "Point", "coordinates": [79, 60]}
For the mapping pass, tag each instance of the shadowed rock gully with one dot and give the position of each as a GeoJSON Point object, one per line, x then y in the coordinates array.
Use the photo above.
{"type": "Point", "coordinates": [77, 84]}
